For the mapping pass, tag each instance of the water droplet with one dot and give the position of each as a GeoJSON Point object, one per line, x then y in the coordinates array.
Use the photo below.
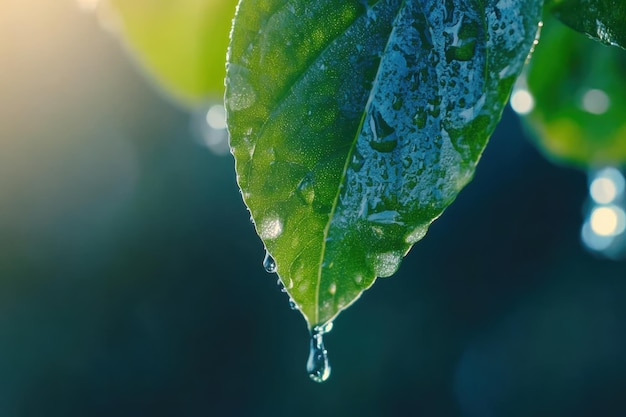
{"type": "Point", "coordinates": [384, 137]}
{"type": "Point", "coordinates": [306, 190]}
{"type": "Point", "coordinates": [420, 119]}
{"type": "Point", "coordinates": [318, 366]}
{"type": "Point", "coordinates": [270, 228]}
{"type": "Point", "coordinates": [332, 289]}
{"type": "Point", "coordinates": [357, 161]}
{"type": "Point", "coordinates": [88, 5]}
{"type": "Point", "coordinates": [386, 264]}
{"type": "Point", "coordinates": [397, 103]}
{"type": "Point", "coordinates": [292, 304]}
{"type": "Point", "coordinates": [326, 328]}
{"type": "Point", "coordinates": [269, 263]}
{"type": "Point", "coordinates": [241, 93]}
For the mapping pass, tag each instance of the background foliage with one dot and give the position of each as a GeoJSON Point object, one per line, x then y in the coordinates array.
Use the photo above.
{"type": "Point", "coordinates": [131, 280]}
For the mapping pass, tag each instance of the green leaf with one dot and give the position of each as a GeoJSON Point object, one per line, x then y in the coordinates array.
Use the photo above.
{"type": "Point", "coordinates": [354, 124]}
{"type": "Point", "coordinates": [181, 44]}
{"type": "Point", "coordinates": [580, 104]}
{"type": "Point", "coordinates": [603, 20]}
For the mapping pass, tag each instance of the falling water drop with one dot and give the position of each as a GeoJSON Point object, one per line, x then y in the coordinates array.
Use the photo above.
{"type": "Point", "coordinates": [269, 263]}
{"type": "Point", "coordinates": [317, 366]}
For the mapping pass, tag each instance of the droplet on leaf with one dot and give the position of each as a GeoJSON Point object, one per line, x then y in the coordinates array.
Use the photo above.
{"type": "Point", "coordinates": [269, 263]}
{"type": "Point", "coordinates": [306, 190]}
{"type": "Point", "coordinates": [384, 137]}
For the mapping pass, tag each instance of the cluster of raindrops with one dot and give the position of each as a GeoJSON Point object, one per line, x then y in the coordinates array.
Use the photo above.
{"type": "Point", "coordinates": [209, 128]}
{"type": "Point", "coordinates": [605, 217]}
{"type": "Point", "coordinates": [318, 366]}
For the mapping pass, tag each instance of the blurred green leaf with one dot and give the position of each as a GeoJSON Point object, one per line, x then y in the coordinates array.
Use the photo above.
{"type": "Point", "coordinates": [355, 124]}
{"type": "Point", "coordinates": [580, 98]}
{"type": "Point", "coordinates": [603, 20]}
{"type": "Point", "coordinates": [181, 43]}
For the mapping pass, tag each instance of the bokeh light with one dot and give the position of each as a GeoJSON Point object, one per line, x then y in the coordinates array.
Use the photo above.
{"type": "Point", "coordinates": [603, 229]}
{"type": "Point", "coordinates": [607, 221]}
{"type": "Point", "coordinates": [522, 102]}
{"type": "Point", "coordinates": [209, 128]}
{"type": "Point", "coordinates": [216, 117]}
{"type": "Point", "coordinates": [606, 185]}
{"type": "Point", "coordinates": [595, 101]}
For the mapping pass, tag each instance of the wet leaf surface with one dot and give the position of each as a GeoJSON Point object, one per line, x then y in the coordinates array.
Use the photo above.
{"type": "Point", "coordinates": [354, 124]}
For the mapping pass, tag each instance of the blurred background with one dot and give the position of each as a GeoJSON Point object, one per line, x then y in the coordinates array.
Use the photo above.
{"type": "Point", "coordinates": [131, 281]}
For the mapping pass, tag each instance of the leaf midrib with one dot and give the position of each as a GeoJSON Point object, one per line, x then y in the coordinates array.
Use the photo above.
{"type": "Point", "coordinates": [331, 215]}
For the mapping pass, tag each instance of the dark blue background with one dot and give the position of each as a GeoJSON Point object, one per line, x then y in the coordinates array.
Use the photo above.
{"type": "Point", "coordinates": [131, 280]}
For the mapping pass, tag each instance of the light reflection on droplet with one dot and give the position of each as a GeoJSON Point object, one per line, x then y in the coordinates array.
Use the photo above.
{"type": "Point", "coordinates": [595, 101]}
{"type": "Point", "coordinates": [269, 264]}
{"type": "Point", "coordinates": [522, 102]}
{"type": "Point", "coordinates": [270, 228]}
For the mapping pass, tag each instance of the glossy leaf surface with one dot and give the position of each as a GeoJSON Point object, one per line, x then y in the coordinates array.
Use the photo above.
{"type": "Point", "coordinates": [355, 123]}
{"type": "Point", "coordinates": [580, 104]}
{"type": "Point", "coordinates": [180, 43]}
{"type": "Point", "coordinates": [603, 20]}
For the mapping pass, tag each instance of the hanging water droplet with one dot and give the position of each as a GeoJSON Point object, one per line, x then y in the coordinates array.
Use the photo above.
{"type": "Point", "coordinates": [292, 304]}
{"type": "Point", "coordinates": [318, 366]}
{"type": "Point", "coordinates": [281, 286]}
{"type": "Point", "coordinates": [269, 263]}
